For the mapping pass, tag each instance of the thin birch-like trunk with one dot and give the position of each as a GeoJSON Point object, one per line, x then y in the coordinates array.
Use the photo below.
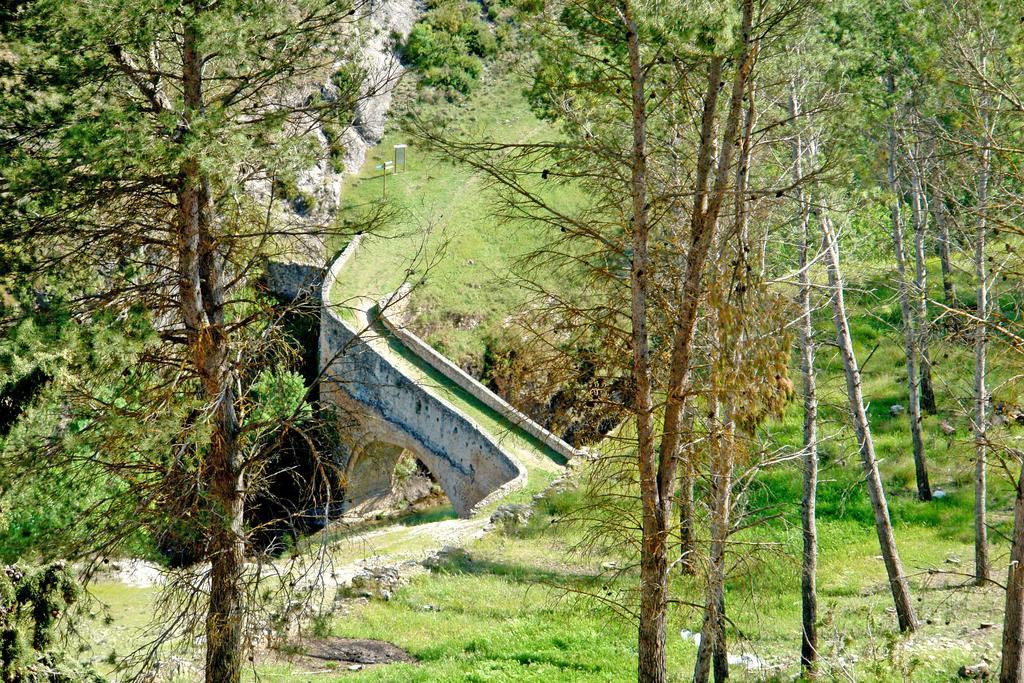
{"type": "Point", "coordinates": [941, 213]}
{"type": "Point", "coordinates": [712, 653]}
{"type": "Point", "coordinates": [909, 328]}
{"type": "Point", "coordinates": [919, 216]}
{"type": "Point", "coordinates": [713, 645]}
{"type": "Point", "coordinates": [687, 511]}
{"type": "Point", "coordinates": [685, 459]}
{"type": "Point", "coordinates": [883, 525]}
{"type": "Point", "coordinates": [982, 567]}
{"type": "Point", "coordinates": [808, 522]}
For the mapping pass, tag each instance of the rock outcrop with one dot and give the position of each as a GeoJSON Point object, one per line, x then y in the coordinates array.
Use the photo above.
{"type": "Point", "coordinates": [389, 22]}
{"type": "Point", "coordinates": [383, 26]}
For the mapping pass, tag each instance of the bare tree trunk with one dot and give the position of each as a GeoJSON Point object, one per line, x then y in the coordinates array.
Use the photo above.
{"type": "Point", "coordinates": [657, 474]}
{"type": "Point", "coordinates": [982, 569]}
{"type": "Point", "coordinates": [712, 652]}
{"type": "Point", "coordinates": [685, 459]}
{"type": "Point", "coordinates": [687, 540]}
{"type": "Point", "coordinates": [225, 621]}
{"type": "Point", "coordinates": [883, 525]}
{"type": "Point", "coordinates": [808, 522]}
{"type": "Point", "coordinates": [713, 645]}
{"type": "Point", "coordinates": [909, 329]}
{"type": "Point", "coordinates": [707, 207]}
{"type": "Point", "coordinates": [201, 290]}
{"type": "Point", "coordinates": [919, 214]}
{"type": "Point", "coordinates": [653, 553]}
{"type": "Point", "coordinates": [720, 655]}
{"type": "Point", "coordinates": [1012, 669]}
{"type": "Point", "coordinates": [941, 213]}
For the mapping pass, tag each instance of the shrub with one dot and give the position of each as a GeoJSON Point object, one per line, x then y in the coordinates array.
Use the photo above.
{"type": "Point", "coordinates": [279, 395]}
{"type": "Point", "coordinates": [335, 147]}
{"type": "Point", "coordinates": [424, 46]}
{"type": "Point", "coordinates": [287, 188]}
{"type": "Point", "coordinates": [447, 44]}
{"type": "Point", "coordinates": [478, 38]}
{"type": "Point", "coordinates": [511, 9]}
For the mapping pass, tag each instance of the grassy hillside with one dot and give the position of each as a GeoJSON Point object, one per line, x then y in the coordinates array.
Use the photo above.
{"type": "Point", "coordinates": [444, 238]}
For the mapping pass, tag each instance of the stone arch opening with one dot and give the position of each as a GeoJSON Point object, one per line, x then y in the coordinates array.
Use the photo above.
{"type": "Point", "coordinates": [384, 476]}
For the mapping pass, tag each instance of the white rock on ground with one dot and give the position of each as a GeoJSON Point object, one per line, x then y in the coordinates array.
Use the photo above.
{"type": "Point", "coordinates": [134, 572]}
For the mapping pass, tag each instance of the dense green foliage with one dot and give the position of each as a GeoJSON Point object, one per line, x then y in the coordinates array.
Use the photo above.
{"type": "Point", "coordinates": [32, 601]}
{"type": "Point", "coordinates": [140, 149]}
{"type": "Point", "coordinates": [93, 161]}
{"type": "Point", "coordinates": [49, 358]}
{"type": "Point", "coordinates": [448, 43]}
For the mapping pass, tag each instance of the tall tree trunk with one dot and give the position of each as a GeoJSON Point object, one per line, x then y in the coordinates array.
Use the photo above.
{"type": "Point", "coordinates": [909, 329]}
{"type": "Point", "coordinates": [883, 525]}
{"type": "Point", "coordinates": [1012, 669]}
{"type": "Point", "coordinates": [707, 207]}
{"type": "Point", "coordinates": [713, 645]}
{"type": "Point", "coordinates": [712, 653]}
{"type": "Point", "coordinates": [685, 460]}
{"type": "Point", "coordinates": [982, 569]}
{"type": "Point", "coordinates": [720, 655]}
{"type": "Point", "coordinates": [919, 214]}
{"type": "Point", "coordinates": [808, 521]}
{"type": "Point", "coordinates": [225, 621]}
{"type": "Point", "coordinates": [201, 291]}
{"type": "Point", "coordinates": [653, 553]}
{"type": "Point", "coordinates": [687, 512]}
{"type": "Point", "coordinates": [941, 213]}
{"type": "Point", "coordinates": [657, 474]}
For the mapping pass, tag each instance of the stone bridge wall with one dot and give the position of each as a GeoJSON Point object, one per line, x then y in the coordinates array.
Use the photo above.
{"type": "Point", "coordinates": [393, 303]}
{"type": "Point", "coordinates": [394, 410]}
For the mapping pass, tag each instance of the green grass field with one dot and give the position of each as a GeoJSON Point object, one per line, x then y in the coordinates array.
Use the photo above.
{"type": "Point", "coordinates": [514, 614]}
{"type": "Point", "coordinates": [444, 238]}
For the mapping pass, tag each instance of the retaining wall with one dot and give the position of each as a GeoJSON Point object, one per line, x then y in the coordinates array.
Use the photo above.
{"type": "Point", "coordinates": [387, 308]}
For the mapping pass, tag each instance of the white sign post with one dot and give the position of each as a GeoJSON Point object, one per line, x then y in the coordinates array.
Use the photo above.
{"type": "Point", "coordinates": [400, 157]}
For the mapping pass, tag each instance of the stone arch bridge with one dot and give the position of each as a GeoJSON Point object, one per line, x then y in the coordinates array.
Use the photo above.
{"type": "Point", "coordinates": [402, 395]}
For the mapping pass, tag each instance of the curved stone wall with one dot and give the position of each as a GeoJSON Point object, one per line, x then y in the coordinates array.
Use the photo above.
{"type": "Point", "coordinates": [446, 367]}
{"type": "Point", "coordinates": [392, 408]}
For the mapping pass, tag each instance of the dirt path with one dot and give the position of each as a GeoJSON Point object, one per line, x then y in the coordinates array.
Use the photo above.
{"type": "Point", "coordinates": [345, 556]}
{"type": "Point", "coordinates": [397, 545]}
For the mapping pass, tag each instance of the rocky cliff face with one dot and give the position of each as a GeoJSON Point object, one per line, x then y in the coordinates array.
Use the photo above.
{"type": "Point", "coordinates": [384, 24]}
{"type": "Point", "coordinates": [388, 23]}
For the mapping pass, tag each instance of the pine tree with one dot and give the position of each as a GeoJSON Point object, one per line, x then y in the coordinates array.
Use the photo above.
{"type": "Point", "coordinates": [145, 147]}
{"type": "Point", "coordinates": [33, 601]}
